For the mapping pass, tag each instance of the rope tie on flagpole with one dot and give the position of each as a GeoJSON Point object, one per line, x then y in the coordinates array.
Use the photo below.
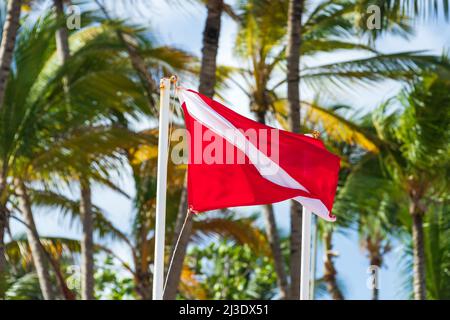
{"type": "Point", "coordinates": [175, 249]}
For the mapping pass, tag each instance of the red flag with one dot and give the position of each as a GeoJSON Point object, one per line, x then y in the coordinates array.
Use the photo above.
{"type": "Point", "coordinates": [235, 161]}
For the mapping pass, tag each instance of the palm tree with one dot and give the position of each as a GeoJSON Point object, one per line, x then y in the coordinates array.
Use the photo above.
{"type": "Point", "coordinates": [416, 140]}
{"type": "Point", "coordinates": [295, 13]}
{"type": "Point", "coordinates": [376, 216]}
{"type": "Point", "coordinates": [275, 245]}
{"type": "Point", "coordinates": [38, 255]}
{"type": "Point", "coordinates": [87, 247]}
{"type": "Point", "coordinates": [35, 96]}
{"type": "Point", "coordinates": [7, 44]}
{"type": "Point", "coordinates": [375, 233]}
{"type": "Point", "coordinates": [211, 35]}
{"type": "Point", "coordinates": [23, 282]}
{"type": "Point", "coordinates": [377, 246]}
{"type": "Point", "coordinates": [8, 148]}
{"type": "Point", "coordinates": [62, 35]}
{"type": "Point", "coordinates": [330, 272]}
{"type": "Point", "coordinates": [9, 33]}
{"type": "Point", "coordinates": [436, 238]}
{"type": "Point", "coordinates": [350, 152]}
{"type": "Point", "coordinates": [87, 243]}
{"type": "Point", "coordinates": [383, 214]}
{"type": "Point", "coordinates": [87, 240]}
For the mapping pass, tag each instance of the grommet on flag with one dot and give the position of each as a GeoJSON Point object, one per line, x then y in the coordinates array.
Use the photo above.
{"type": "Point", "coordinates": [316, 134]}
{"type": "Point", "coordinates": [174, 79]}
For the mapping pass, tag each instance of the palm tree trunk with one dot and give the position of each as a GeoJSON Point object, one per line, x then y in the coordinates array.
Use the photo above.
{"type": "Point", "coordinates": [37, 251]}
{"type": "Point", "coordinates": [62, 35]}
{"type": "Point", "coordinates": [295, 249]}
{"type": "Point", "coordinates": [87, 242]}
{"type": "Point", "coordinates": [62, 46]}
{"type": "Point", "coordinates": [64, 289]}
{"type": "Point", "coordinates": [139, 65]}
{"type": "Point", "coordinates": [293, 63]}
{"type": "Point", "coordinates": [10, 29]}
{"type": "Point", "coordinates": [181, 216]}
{"type": "Point", "coordinates": [178, 254]}
{"type": "Point", "coordinates": [418, 253]}
{"type": "Point", "coordinates": [274, 240]}
{"type": "Point", "coordinates": [375, 290]}
{"type": "Point", "coordinates": [143, 285]}
{"type": "Point", "coordinates": [376, 260]}
{"type": "Point", "coordinates": [330, 272]}
{"type": "Point", "coordinates": [3, 225]}
{"type": "Point", "coordinates": [272, 234]}
{"type": "Point", "coordinates": [293, 88]}
{"type": "Point", "coordinates": [179, 247]}
{"type": "Point", "coordinates": [211, 36]}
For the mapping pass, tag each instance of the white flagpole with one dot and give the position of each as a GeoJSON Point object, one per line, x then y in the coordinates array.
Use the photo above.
{"type": "Point", "coordinates": [313, 256]}
{"type": "Point", "coordinates": [306, 255]}
{"type": "Point", "coordinates": [161, 188]}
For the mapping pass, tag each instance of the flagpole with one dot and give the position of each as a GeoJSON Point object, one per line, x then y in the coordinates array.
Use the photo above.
{"type": "Point", "coordinates": [313, 257]}
{"type": "Point", "coordinates": [306, 255]}
{"type": "Point", "coordinates": [161, 188]}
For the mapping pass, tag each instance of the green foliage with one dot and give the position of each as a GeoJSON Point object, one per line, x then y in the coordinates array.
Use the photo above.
{"type": "Point", "coordinates": [437, 254]}
{"type": "Point", "coordinates": [110, 283]}
{"type": "Point", "coordinates": [437, 242]}
{"type": "Point", "coordinates": [411, 176]}
{"type": "Point", "coordinates": [424, 127]}
{"type": "Point", "coordinates": [415, 139]}
{"type": "Point", "coordinates": [24, 287]}
{"type": "Point", "coordinates": [229, 271]}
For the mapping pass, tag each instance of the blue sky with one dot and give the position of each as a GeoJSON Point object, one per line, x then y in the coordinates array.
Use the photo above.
{"type": "Point", "coordinates": [182, 26]}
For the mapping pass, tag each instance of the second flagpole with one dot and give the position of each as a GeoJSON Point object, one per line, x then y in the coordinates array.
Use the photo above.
{"type": "Point", "coordinates": [161, 188]}
{"type": "Point", "coordinates": [305, 272]}
{"type": "Point", "coordinates": [306, 255]}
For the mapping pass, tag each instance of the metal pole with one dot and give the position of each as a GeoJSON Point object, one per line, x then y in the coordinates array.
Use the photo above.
{"type": "Point", "coordinates": [306, 254]}
{"type": "Point", "coordinates": [161, 189]}
{"type": "Point", "coordinates": [314, 256]}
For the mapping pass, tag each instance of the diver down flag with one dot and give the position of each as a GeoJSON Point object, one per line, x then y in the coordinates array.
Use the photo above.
{"type": "Point", "coordinates": [235, 161]}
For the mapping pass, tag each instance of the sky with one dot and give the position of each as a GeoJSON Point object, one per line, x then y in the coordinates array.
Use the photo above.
{"type": "Point", "coordinates": [181, 25]}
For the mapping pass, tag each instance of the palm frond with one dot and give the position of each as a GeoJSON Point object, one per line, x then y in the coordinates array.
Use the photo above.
{"type": "Point", "coordinates": [397, 66]}
{"type": "Point", "coordinates": [241, 230]}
